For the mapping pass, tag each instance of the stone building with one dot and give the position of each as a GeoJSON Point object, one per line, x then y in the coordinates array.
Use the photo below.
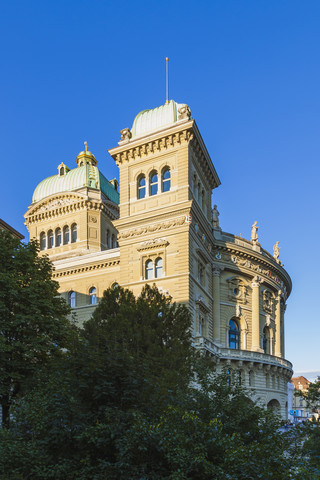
{"type": "Point", "coordinates": [8, 228]}
{"type": "Point", "coordinates": [161, 229]}
{"type": "Point", "coordinates": [301, 411]}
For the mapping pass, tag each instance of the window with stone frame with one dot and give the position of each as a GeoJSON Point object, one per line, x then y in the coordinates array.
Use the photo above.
{"type": "Point", "coordinates": [202, 318]}
{"type": "Point", "coordinates": [201, 273]}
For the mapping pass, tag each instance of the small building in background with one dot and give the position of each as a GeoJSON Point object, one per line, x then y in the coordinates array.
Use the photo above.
{"type": "Point", "coordinates": [300, 410]}
{"type": "Point", "coordinates": [6, 226]}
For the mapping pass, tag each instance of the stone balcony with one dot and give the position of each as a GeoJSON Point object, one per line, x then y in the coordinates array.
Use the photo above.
{"type": "Point", "coordinates": [222, 353]}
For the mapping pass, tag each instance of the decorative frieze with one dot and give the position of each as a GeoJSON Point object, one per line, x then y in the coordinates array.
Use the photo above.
{"type": "Point", "coordinates": [153, 227]}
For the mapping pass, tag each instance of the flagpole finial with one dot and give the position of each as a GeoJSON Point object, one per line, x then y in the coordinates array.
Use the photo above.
{"type": "Point", "coordinates": [167, 77]}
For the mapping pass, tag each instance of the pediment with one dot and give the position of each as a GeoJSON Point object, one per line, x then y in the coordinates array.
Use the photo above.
{"type": "Point", "coordinates": [55, 201]}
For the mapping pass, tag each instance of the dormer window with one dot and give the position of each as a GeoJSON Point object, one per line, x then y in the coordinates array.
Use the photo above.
{"type": "Point", "coordinates": [63, 169]}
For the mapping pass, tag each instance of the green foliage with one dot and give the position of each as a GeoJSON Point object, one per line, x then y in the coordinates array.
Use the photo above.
{"type": "Point", "coordinates": [32, 317]}
{"type": "Point", "coordinates": [131, 399]}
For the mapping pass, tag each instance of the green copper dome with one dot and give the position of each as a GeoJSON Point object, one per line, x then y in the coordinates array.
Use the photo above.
{"type": "Point", "coordinates": [165, 115]}
{"type": "Point", "coordinates": [85, 175]}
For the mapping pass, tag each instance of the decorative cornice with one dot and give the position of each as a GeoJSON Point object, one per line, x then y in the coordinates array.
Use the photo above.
{"type": "Point", "coordinates": [151, 244]}
{"type": "Point", "coordinates": [253, 262]}
{"type": "Point", "coordinates": [63, 204]}
{"type": "Point", "coordinates": [157, 145]}
{"type": "Point", "coordinates": [86, 268]}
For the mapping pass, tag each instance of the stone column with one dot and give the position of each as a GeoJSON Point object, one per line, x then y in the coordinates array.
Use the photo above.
{"type": "Point", "coordinates": [278, 326]}
{"type": "Point", "coordinates": [256, 282]}
{"type": "Point", "coordinates": [283, 307]}
{"type": "Point", "coordinates": [216, 271]}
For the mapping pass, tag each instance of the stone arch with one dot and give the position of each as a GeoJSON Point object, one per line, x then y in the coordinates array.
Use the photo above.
{"type": "Point", "coordinates": [274, 405]}
{"type": "Point", "coordinates": [138, 173]}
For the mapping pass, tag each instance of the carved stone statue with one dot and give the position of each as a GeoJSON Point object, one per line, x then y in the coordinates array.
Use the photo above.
{"type": "Point", "coordinates": [184, 112]}
{"type": "Point", "coordinates": [215, 217]}
{"type": "Point", "coordinates": [254, 233]}
{"type": "Point", "coordinates": [276, 250]}
{"type": "Point", "coordinates": [125, 134]}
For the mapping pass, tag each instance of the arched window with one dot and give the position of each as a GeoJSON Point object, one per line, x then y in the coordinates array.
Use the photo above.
{"type": "Point", "coordinates": [93, 295]}
{"type": "Point", "coordinates": [153, 183]}
{"type": "Point", "coordinates": [66, 235]}
{"type": "Point", "coordinates": [251, 378]}
{"type": "Point", "coordinates": [159, 264]}
{"type": "Point", "coordinates": [266, 340]}
{"type": "Point", "coordinates": [50, 239]}
{"type": "Point", "coordinates": [113, 243]}
{"type": "Point", "coordinates": [234, 335]}
{"type": "Point", "coordinates": [72, 299]}
{"type": "Point", "coordinates": [108, 239]}
{"type": "Point", "coordinates": [141, 187]}
{"type": "Point", "coordinates": [149, 273]}
{"type": "Point", "coordinates": [58, 237]}
{"type": "Point", "coordinates": [74, 233]}
{"type": "Point", "coordinates": [43, 241]}
{"type": "Point", "coordinates": [166, 180]}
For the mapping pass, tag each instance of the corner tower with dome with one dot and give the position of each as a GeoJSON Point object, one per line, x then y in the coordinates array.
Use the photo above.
{"type": "Point", "coordinates": [163, 230]}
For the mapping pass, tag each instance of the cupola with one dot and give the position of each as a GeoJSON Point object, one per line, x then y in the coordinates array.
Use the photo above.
{"type": "Point", "coordinates": [86, 157]}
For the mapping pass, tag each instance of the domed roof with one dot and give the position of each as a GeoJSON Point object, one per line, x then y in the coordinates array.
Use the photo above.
{"type": "Point", "coordinates": [85, 175]}
{"type": "Point", "coordinates": [165, 115]}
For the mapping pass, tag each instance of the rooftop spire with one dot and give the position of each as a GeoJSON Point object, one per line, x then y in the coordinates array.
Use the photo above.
{"type": "Point", "coordinates": [167, 79]}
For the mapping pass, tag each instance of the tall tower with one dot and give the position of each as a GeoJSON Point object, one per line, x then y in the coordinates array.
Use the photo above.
{"type": "Point", "coordinates": [166, 178]}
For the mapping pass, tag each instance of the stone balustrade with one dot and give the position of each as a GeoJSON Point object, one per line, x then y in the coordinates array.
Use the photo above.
{"type": "Point", "coordinates": [243, 355]}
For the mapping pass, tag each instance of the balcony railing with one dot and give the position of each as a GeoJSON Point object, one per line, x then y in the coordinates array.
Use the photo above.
{"type": "Point", "coordinates": [244, 355]}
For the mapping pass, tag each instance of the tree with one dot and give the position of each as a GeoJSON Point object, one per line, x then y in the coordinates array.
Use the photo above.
{"type": "Point", "coordinates": [310, 432]}
{"type": "Point", "coordinates": [131, 399]}
{"type": "Point", "coordinates": [33, 317]}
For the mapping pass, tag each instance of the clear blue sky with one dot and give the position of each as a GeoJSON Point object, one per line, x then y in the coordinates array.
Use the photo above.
{"type": "Point", "coordinates": [77, 70]}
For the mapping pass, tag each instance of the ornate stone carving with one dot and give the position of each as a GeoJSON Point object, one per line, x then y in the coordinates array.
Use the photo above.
{"type": "Point", "coordinates": [238, 310]}
{"type": "Point", "coordinates": [57, 202]}
{"type": "Point", "coordinates": [153, 227]}
{"type": "Point", "coordinates": [217, 269]}
{"type": "Point", "coordinates": [276, 251]}
{"type": "Point", "coordinates": [237, 290]}
{"type": "Point", "coordinates": [267, 301]}
{"type": "Point", "coordinates": [215, 217]}
{"type": "Point", "coordinates": [256, 281]}
{"type": "Point", "coordinates": [154, 243]}
{"type": "Point", "coordinates": [184, 112]}
{"type": "Point", "coordinates": [125, 134]}
{"type": "Point", "coordinates": [254, 233]}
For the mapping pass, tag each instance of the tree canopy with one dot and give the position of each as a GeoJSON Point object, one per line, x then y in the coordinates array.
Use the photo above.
{"type": "Point", "coordinates": [33, 317]}
{"type": "Point", "coordinates": [132, 399]}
